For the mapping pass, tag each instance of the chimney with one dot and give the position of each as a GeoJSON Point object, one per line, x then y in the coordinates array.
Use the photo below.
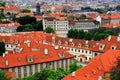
{"type": "Point", "coordinates": [56, 47]}
{"type": "Point", "coordinates": [118, 38]}
{"type": "Point", "coordinates": [6, 62]}
{"type": "Point", "coordinates": [109, 38]}
{"type": "Point", "coordinates": [99, 77]}
{"type": "Point", "coordinates": [73, 74]}
{"type": "Point", "coordinates": [28, 44]}
{"type": "Point", "coordinates": [86, 42]}
{"type": "Point", "coordinates": [3, 55]}
{"type": "Point", "coordinates": [46, 51]}
{"type": "Point", "coordinates": [70, 40]}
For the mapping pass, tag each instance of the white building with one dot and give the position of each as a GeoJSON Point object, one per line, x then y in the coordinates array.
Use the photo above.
{"type": "Point", "coordinates": [59, 25]}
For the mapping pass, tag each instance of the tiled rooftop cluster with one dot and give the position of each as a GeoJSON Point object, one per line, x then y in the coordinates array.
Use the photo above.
{"type": "Point", "coordinates": [97, 67]}
{"type": "Point", "coordinates": [30, 48]}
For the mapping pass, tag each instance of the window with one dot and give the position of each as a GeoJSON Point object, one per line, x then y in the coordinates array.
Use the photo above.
{"type": "Point", "coordinates": [13, 69]}
{"type": "Point", "coordinates": [85, 58]}
{"type": "Point", "coordinates": [19, 72]}
{"type": "Point", "coordinates": [57, 64]}
{"type": "Point", "coordinates": [30, 69]}
{"type": "Point", "coordinates": [25, 71]}
{"type": "Point", "coordinates": [85, 51]}
{"type": "Point", "coordinates": [62, 63]}
{"type": "Point", "coordinates": [41, 66]}
{"type": "Point", "coordinates": [36, 67]}
{"type": "Point", "coordinates": [66, 63]}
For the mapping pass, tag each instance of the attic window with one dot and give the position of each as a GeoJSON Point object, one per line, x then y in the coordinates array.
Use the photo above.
{"type": "Point", "coordinates": [87, 46]}
{"type": "Point", "coordinates": [79, 45]}
{"type": "Point", "coordinates": [66, 43]}
{"type": "Point", "coordinates": [61, 55]}
{"type": "Point", "coordinates": [29, 59]}
{"type": "Point", "coordinates": [101, 46]}
{"type": "Point", "coordinates": [73, 44]}
{"type": "Point", "coordinates": [59, 42]}
{"type": "Point", "coordinates": [94, 72]}
{"type": "Point", "coordinates": [113, 47]}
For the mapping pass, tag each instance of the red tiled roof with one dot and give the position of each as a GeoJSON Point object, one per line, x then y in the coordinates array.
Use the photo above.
{"type": "Point", "coordinates": [37, 56]}
{"type": "Point", "coordinates": [96, 68]}
{"type": "Point", "coordinates": [111, 25]}
{"type": "Point", "coordinates": [25, 14]}
{"type": "Point", "coordinates": [9, 74]}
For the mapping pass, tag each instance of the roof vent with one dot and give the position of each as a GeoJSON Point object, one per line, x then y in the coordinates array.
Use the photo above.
{"type": "Point", "coordinates": [118, 38]}
{"type": "Point", "coordinates": [86, 41]}
{"type": "Point", "coordinates": [109, 38]}
{"type": "Point", "coordinates": [6, 62]}
{"type": "Point", "coordinates": [46, 51]}
{"type": "Point", "coordinates": [73, 74]}
{"type": "Point", "coordinates": [6, 52]}
{"type": "Point", "coordinates": [19, 59]}
{"type": "Point", "coordinates": [56, 47]}
{"type": "Point", "coordinates": [99, 77]}
{"type": "Point", "coordinates": [53, 37]}
{"type": "Point", "coordinates": [70, 40]}
{"type": "Point", "coordinates": [3, 55]}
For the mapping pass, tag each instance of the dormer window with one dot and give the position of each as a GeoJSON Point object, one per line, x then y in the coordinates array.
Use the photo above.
{"type": "Point", "coordinates": [87, 46]}
{"type": "Point", "coordinates": [66, 43]}
{"type": "Point", "coordinates": [73, 44]}
{"type": "Point", "coordinates": [61, 55]}
{"type": "Point", "coordinates": [113, 47]}
{"type": "Point", "coordinates": [59, 42]}
{"type": "Point", "coordinates": [79, 45]}
{"type": "Point", "coordinates": [29, 59]}
{"type": "Point", "coordinates": [101, 46]}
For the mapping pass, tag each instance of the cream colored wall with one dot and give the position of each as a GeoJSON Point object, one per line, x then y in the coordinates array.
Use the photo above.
{"type": "Point", "coordinates": [44, 66]}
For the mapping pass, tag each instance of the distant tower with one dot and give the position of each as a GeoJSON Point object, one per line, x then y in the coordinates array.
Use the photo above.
{"type": "Point", "coordinates": [38, 8]}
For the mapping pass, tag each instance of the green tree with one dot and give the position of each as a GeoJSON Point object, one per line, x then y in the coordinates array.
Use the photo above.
{"type": "Point", "coordinates": [26, 10]}
{"type": "Point", "coordinates": [49, 30]}
{"type": "Point", "coordinates": [27, 20]}
{"type": "Point", "coordinates": [72, 33]}
{"type": "Point", "coordinates": [110, 32]}
{"type": "Point", "coordinates": [2, 3]}
{"type": "Point", "coordinates": [2, 48]}
{"type": "Point", "coordinates": [88, 36]}
{"type": "Point", "coordinates": [73, 67]}
{"type": "Point", "coordinates": [2, 76]}
{"type": "Point", "coordinates": [115, 75]}
{"type": "Point", "coordinates": [45, 74]}
{"type": "Point", "coordinates": [99, 10]}
{"type": "Point", "coordinates": [81, 34]}
{"type": "Point", "coordinates": [118, 7]}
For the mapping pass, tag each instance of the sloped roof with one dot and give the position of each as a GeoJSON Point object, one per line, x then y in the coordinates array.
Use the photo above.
{"type": "Point", "coordinates": [96, 68]}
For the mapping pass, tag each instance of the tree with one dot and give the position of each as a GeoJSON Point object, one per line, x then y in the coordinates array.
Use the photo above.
{"type": "Point", "coordinates": [88, 36]}
{"type": "Point", "coordinates": [99, 10]}
{"type": "Point", "coordinates": [49, 30]}
{"type": "Point", "coordinates": [118, 7]}
{"type": "Point", "coordinates": [81, 34]}
{"type": "Point", "coordinates": [73, 67]}
{"type": "Point", "coordinates": [73, 33]}
{"type": "Point", "coordinates": [2, 48]}
{"type": "Point", "coordinates": [115, 75]}
{"type": "Point", "coordinates": [45, 74]}
{"type": "Point", "coordinates": [2, 3]}
{"type": "Point", "coordinates": [27, 20]}
{"type": "Point", "coordinates": [2, 76]}
{"type": "Point", "coordinates": [26, 10]}
{"type": "Point", "coordinates": [110, 32]}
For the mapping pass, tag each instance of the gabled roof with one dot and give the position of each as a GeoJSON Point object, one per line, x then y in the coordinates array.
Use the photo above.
{"type": "Point", "coordinates": [38, 56]}
{"type": "Point", "coordinates": [96, 68]}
